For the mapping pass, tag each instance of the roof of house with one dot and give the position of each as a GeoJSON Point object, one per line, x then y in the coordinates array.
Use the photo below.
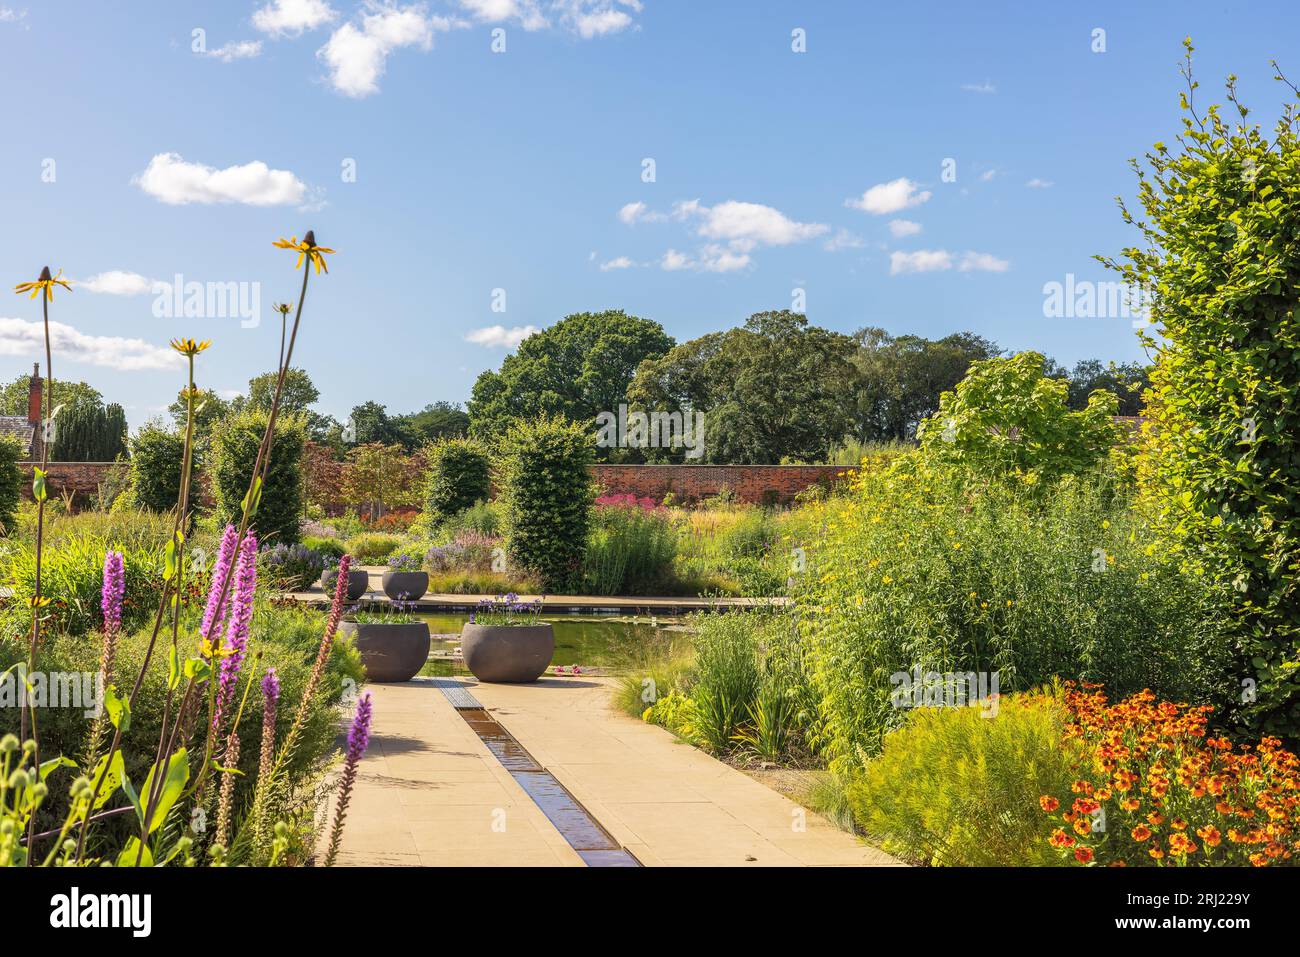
{"type": "Point", "coordinates": [19, 428]}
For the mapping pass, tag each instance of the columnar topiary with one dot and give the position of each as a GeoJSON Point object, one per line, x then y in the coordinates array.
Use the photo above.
{"type": "Point", "coordinates": [90, 433]}
{"type": "Point", "coordinates": [235, 442]}
{"type": "Point", "coordinates": [156, 467]}
{"type": "Point", "coordinates": [1221, 265]}
{"type": "Point", "coordinates": [547, 492]}
{"type": "Point", "coordinates": [458, 475]}
{"type": "Point", "coordinates": [11, 480]}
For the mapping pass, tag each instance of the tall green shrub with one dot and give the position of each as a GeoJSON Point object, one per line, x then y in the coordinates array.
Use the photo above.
{"type": "Point", "coordinates": [1221, 265]}
{"type": "Point", "coordinates": [156, 467]}
{"type": "Point", "coordinates": [11, 481]}
{"type": "Point", "coordinates": [459, 474]}
{"type": "Point", "coordinates": [547, 493]}
{"type": "Point", "coordinates": [90, 433]}
{"type": "Point", "coordinates": [235, 441]}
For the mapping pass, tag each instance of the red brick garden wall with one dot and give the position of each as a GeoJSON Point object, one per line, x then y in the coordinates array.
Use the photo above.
{"type": "Point", "coordinates": [758, 484]}
{"type": "Point", "coordinates": [82, 479]}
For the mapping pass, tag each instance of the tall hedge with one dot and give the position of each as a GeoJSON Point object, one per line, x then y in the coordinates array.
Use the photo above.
{"type": "Point", "coordinates": [459, 474]}
{"type": "Point", "coordinates": [235, 441]}
{"type": "Point", "coordinates": [548, 493]}
{"type": "Point", "coordinates": [90, 433]}
{"type": "Point", "coordinates": [156, 467]}
{"type": "Point", "coordinates": [11, 480]}
{"type": "Point", "coordinates": [1221, 213]}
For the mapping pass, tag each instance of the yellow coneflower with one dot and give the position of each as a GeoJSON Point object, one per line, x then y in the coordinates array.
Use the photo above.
{"type": "Point", "coordinates": [307, 249]}
{"type": "Point", "coordinates": [283, 308]}
{"type": "Point", "coordinates": [190, 347]}
{"type": "Point", "coordinates": [46, 283]}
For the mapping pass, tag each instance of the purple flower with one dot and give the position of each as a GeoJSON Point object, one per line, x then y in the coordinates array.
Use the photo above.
{"type": "Point", "coordinates": [359, 733]}
{"type": "Point", "coordinates": [111, 596]}
{"type": "Point", "coordinates": [212, 623]}
{"type": "Point", "coordinates": [358, 738]}
{"type": "Point", "coordinates": [241, 613]}
{"type": "Point", "coordinates": [271, 687]}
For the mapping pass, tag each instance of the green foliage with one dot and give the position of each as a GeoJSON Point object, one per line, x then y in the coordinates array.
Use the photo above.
{"type": "Point", "coordinates": [771, 390]}
{"type": "Point", "coordinates": [957, 787]}
{"type": "Point", "coordinates": [11, 481]}
{"type": "Point", "coordinates": [1007, 417]}
{"type": "Point", "coordinates": [372, 548]}
{"type": "Point", "coordinates": [156, 454]}
{"type": "Point", "coordinates": [577, 368]}
{"type": "Point", "coordinates": [328, 547]}
{"type": "Point", "coordinates": [234, 452]}
{"type": "Point", "coordinates": [630, 551]}
{"type": "Point", "coordinates": [916, 568]}
{"type": "Point", "coordinates": [89, 433]}
{"type": "Point", "coordinates": [458, 476]}
{"type": "Point", "coordinates": [14, 395]}
{"type": "Point", "coordinates": [547, 494]}
{"type": "Point", "coordinates": [1221, 213]}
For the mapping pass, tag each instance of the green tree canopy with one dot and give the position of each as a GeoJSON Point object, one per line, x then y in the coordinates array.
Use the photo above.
{"type": "Point", "coordinates": [577, 368]}
{"type": "Point", "coordinates": [773, 389]}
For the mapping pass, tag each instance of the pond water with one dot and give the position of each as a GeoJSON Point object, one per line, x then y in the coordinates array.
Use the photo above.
{"type": "Point", "coordinates": [608, 642]}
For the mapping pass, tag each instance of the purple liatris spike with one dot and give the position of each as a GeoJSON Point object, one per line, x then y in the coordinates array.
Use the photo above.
{"type": "Point", "coordinates": [212, 621]}
{"type": "Point", "coordinates": [110, 601]}
{"type": "Point", "coordinates": [271, 687]}
{"type": "Point", "coordinates": [241, 613]}
{"type": "Point", "coordinates": [358, 738]}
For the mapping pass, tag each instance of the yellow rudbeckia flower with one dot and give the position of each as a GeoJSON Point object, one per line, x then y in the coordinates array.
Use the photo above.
{"type": "Point", "coordinates": [307, 249]}
{"type": "Point", "coordinates": [190, 347]}
{"type": "Point", "coordinates": [46, 283]}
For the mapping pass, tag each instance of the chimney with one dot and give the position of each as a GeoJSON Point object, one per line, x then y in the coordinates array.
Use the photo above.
{"type": "Point", "coordinates": [34, 396]}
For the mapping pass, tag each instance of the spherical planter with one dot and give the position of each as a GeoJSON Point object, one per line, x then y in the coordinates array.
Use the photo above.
{"type": "Point", "coordinates": [390, 652]}
{"type": "Point", "coordinates": [406, 586]}
{"type": "Point", "coordinates": [358, 582]}
{"type": "Point", "coordinates": [505, 653]}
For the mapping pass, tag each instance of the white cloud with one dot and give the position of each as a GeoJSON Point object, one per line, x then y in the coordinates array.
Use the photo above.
{"type": "Point", "coordinates": [18, 337]}
{"type": "Point", "coordinates": [499, 337]}
{"type": "Point", "coordinates": [988, 175]}
{"type": "Point", "coordinates": [117, 282]}
{"type": "Point", "coordinates": [843, 239]}
{"type": "Point", "coordinates": [673, 260]}
{"type": "Point", "coordinates": [618, 262]}
{"type": "Point", "coordinates": [586, 18]}
{"type": "Point", "coordinates": [633, 213]}
{"type": "Point", "coordinates": [243, 50]}
{"type": "Point", "coordinates": [985, 87]}
{"type": "Point", "coordinates": [10, 15]}
{"type": "Point", "coordinates": [982, 262]}
{"type": "Point", "coordinates": [1037, 183]}
{"type": "Point", "coordinates": [527, 13]}
{"type": "Point", "coordinates": [903, 227]}
{"type": "Point", "coordinates": [885, 198]}
{"type": "Point", "coordinates": [923, 260]}
{"type": "Point", "coordinates": [753, 223]}
{"type": "Point", "coordinates": [712, 258]}
{"type": "Point", "coordinates": [357, 52]}
{"type": "Point", "coordinates": [938, 260]}
{"type": "Point", "coordinates": [293, 17]}
{"type": "Point", "coordinates": [169, 179]}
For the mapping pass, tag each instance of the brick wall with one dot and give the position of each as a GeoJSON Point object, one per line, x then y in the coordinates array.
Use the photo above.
{"type": "Point", "coordinates": [759, 484]}
{"type": "Point", "coordinates": [82, 479]}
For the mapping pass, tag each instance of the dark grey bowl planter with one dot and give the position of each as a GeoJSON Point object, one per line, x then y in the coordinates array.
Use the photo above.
{"type": "Point", "coordinates": [506, 654]}
{"type": "Point", "coordinates": [358, 582]}
{"type": "Point", "coordinates": [390, 652]}
{"type": "Point", "coordinates": [406, 586]}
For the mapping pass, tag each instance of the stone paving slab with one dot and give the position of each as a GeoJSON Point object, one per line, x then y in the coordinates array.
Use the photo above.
{"type": "Point", "coordinates": [665, 801]}
{"type": "Point", "coordinates": [429, 793]}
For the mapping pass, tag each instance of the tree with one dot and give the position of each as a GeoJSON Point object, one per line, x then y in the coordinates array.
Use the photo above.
{"type": "Point", "coordinates": [156, 453]}
{"type": "Point", "coordinates": [577, 368]}
{"type": "Point", "coordinates": [89, 433]}
{"type": "Point", "coordinates": [209, 410]}
{"type": "Point", "coordinates": [375, 474]}
{"type": "Point", "coordinates": [438, 420]}
{"type": "Point", "coordinates": [11, 481]}
{"type": "Point", "coordinates": [14, 395]}
{"type": "Point", "coordinates": [297, 398]}
{"type": "Point", "coordinates": [1221, 267]}
{"type": "Point", "coordinates": [774, 389]}
{"type": "Point", "coordinates": [371, 423]}
{"type": "Point", "coordinates": [901, 378]}
{"type": "Point", "coordinates": [235, 441]}
{"type": "Point", "coordinates": [1127, 381]}
{"type": "Point", "coordinates": [459, 475]}
{"type": "Point", "coordinates": [1007, 417]}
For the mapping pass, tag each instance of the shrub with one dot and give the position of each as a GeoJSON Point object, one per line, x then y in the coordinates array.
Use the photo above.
{"type": "Point", "coordinates": [458, 475]}
{"type": "Point", "coordinates": [630, 550]}
{"type": "Point", "coordinates": [292, 567]}
{"type": "Point", "coordinates": [156, 467]}
{"type": "Point", "coordinates": [914, 568]}
{"type": "Point", "coordinates": [1008, 417]}
{"type": "Point", "coordinates": [956, 787]}
{"type": "Point", "coordinates": [1224, 433]}
{"type": "Point", "coordinates": [90, 432]}
{"type": "Point", "coordinates": [371, 548]}
{"type": "Point", "coordinates": [326, 547]}
{"type": "Point", "coordinates": [235, 441]}
{"type": "Point", "coordinates": [1150, 787]}
{"type": "Point", "coordinates": [547, 494]}
{"type": "Point", "coordinates": [11, 481]}
{"type": "Point", "coordinates": [483, 518]}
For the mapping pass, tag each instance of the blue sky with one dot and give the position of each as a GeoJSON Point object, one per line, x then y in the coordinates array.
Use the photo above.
{"type": "Point", "coordinates": [131, 157]}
